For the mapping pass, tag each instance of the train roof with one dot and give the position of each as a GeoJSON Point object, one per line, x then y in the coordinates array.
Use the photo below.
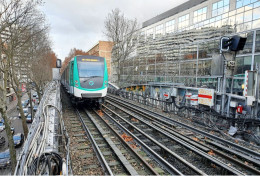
{"type": "Point", "coordinates": [89, 56]}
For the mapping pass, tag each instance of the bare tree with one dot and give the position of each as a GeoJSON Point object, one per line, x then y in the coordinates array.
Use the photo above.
{"type": "Point", "coordinates": [43, 74]}
{"type": "Point", "coordinates": [18, 21]}
{"type": "Point", "coordinates": [122, 32]}
{"type": "Point", "coordinates": [18, 52]}
{"type": "Point", "coordinates": [41, 58]}
{"type": "Point", "coordinates": [73, 52]}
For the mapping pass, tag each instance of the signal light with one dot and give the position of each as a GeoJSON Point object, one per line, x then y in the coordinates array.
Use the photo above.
{"type": "Point", "coordinates": [238, 43]}
{"type": "Point", "coordinates": [234, 43]}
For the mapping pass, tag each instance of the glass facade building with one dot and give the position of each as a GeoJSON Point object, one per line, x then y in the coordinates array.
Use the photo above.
{"type": "Point", "coordinates": [184, 47]}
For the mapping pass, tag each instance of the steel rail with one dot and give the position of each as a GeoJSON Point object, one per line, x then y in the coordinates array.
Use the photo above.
{"type": "Point", "coordinates": [128, 167]}
{"type": "Point", "coordinates": [123, 141]}
{"type": "Point", "coordinates": [184, 143]}
{"type": "Point", "coordinates": [168, 120]}
{"type": "Point", "coordinates": [183, 161]}
{"type": "Point", "coordinates": [203, 146]}
{"type": "Point", "coordinates": [100, 156]}
{"type": "Point", "coordinates": [171, 169]}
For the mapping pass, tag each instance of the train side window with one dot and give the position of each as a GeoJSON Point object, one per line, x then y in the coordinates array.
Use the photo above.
{"type": "Point", "coordinates": [71, 73]}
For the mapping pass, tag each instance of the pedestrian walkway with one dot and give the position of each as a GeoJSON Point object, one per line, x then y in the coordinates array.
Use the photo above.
{"type": "Point", "coordinates": [13, 118]}
{"type": "Point", "coordinates": [13, 105]}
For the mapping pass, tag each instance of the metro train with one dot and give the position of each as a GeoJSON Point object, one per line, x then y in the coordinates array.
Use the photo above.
{"type": "Point", "coordinates": [86, 79]}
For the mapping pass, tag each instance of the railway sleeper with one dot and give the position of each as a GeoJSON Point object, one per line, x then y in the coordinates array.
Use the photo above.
{"type": "Point", "coordinates": [147, 141]}
{"type": "Point", "coordinates": [156, 148]}
{"type": "Point", "coordinates": [78, 135]}
{"type": "Point", "coordinates": [74, 122]}
{"type": "Point", "coordinates": [102, 145]}
{"type": "Point", "coordinates": [91, 166]}
{"type": "Point", "coordinates": [81, 140]}
{"type": "Point", "coordinates": [83, 147]}
{"type": "Point", "coordinates": [138, 135]}
{"type": "Point", "coordinates": [164, 140]}
{"type": "Point", "coordinates": [89, 155]}
{"type": "Point", "coordinates": [107, 153]}
{"type": "Point", "coordinates": [125, 116]}
{"type": "Point", "coordinates": [148, 130]}
{"type": "Point", "coordinates": [135, 123]}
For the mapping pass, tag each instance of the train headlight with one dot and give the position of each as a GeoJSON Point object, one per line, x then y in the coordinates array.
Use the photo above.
{"type": "Point", "coordinates": [76, 85]}
{"type": "Point", "coordinates": [76, 81]}
{"type": "Point", "coordinates": [105, 81]}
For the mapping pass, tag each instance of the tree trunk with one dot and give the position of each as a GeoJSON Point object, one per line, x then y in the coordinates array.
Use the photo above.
{"type": "Point", "coordinates": [25, 127]}
{"type": "Point", "coordinates": [118, 73]}
{"type": "Point", "coordinates": [10, 140]}
{"type": "Point", "coordinates": [30, 100]}
{"type": "Point", "coordinates": [38, 92]}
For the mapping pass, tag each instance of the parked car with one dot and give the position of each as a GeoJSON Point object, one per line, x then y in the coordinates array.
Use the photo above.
{"type": "Point", "coordinates": [25, 103]}
{"type": "Point", "coordinates": [18, 139]}
{"type": "Point", "coordinates": [35, 94]}
{"type": "Point", "coordinates": [2, 125]}
{"type": "Point", "coordinates": [29, 118]}
{"type": "Point", "coordinates": [25, 111]}
{"type": "Point", "coordinates": [35, 108]}
{"type": "Point", "coordinates": [5, 160]}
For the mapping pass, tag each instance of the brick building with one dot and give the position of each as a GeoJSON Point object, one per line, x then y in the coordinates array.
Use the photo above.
{"type": "Point", "coordinates": [103, 49]}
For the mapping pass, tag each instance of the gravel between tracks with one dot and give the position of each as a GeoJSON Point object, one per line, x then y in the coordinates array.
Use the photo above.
{"type": "Point", "coordinates": [83, 158]}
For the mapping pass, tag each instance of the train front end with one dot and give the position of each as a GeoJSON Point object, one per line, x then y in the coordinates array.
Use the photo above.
{"type": "Point", "coordinates": [90, 78]}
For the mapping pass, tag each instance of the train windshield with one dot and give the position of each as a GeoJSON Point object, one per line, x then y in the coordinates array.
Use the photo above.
{"type": "Point", "coordinates": [91, 69]}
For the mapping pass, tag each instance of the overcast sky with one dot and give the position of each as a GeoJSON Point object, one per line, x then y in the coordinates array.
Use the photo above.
{"type": "Point", "coordinates": [80, 23]}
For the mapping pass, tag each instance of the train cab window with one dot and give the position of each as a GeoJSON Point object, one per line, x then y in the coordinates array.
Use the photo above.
{"type": "Point", "coordinates": [91, 69]}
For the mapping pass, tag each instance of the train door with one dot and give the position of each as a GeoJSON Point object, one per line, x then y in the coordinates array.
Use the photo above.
{"type": "Point", "coordinates": [71, 78]}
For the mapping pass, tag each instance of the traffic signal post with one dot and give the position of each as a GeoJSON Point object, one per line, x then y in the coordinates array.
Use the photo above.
{"type": "Point", "coordinates": [228, 49]}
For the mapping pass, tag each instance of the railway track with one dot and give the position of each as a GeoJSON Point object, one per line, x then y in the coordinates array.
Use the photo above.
{"type": "Point", "coordinates": [117, 157]}
{"type": "Point", "coordinates": [213, 153]}
{"type": "Point", "coordinates": [98, 149]}
{"type": "Point", "coordinates": [106, 148]}
{"type": "Point", "coordinates": [84, 160]}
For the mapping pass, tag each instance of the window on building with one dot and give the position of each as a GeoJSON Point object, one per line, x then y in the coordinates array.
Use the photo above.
{"type": "Point", "coordinates": [159, 30]}
{"type": "Point", "coordinates": [149, 32]}
{"type": "Point", "coordinates": [170, 26]}
{"type": "Point", "coordinates": [220, 7]}
{"type": "Point", "coordinates": [184, 21]}
{"type": "Point", "coordinates": [242, 3]}
{"type": "Point", "coordinates": [243, 64]}
{"type": "Point", "coordinates": [256, 13]}
{"type": "Point", "coordinates": [200, 15]}
{"type": "Point", "coordinates": [257, 41]}
{"type": "Point", "coordinates": [257, 60]}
